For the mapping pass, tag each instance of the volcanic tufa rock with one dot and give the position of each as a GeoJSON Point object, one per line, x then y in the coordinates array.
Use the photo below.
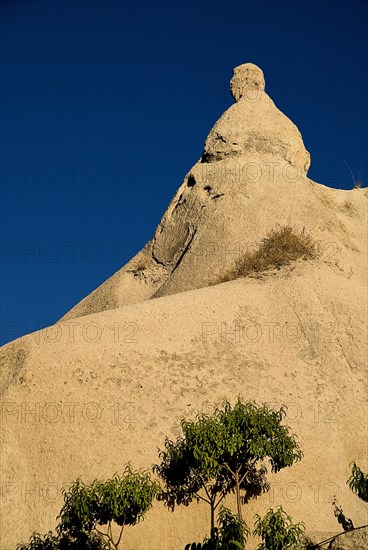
{"type": "Point", "coordinates": [353, 540]}
{"type": "Point", "coordinates": [255, 125]}
{"type": "Point", "coordinates": [247, 79]}
{"type": "Point", "coordinates": [251, 146]}
{"type": "Point", "coordinates": [162, 340]}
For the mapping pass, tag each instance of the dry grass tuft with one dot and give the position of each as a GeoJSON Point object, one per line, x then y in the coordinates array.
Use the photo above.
{"type": "Point", "coordinates": [282, 246]}
{"type": "Point", "coordinates": [358, 184]}
{"type": "Point", "coordinates": [138, 269]}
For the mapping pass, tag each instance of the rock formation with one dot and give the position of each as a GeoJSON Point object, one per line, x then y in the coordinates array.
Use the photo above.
{"type": "Point", "coordinates": [353, 540]}
{"type": "Point", "coordinates": [252, 143]}
{"type": "Point", "coordinates": [161, 340]}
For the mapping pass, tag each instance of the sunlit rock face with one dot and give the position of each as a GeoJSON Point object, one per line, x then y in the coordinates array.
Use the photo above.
{"type": "Point", "coordinates": [160, 341]}
{"type": "Point", "coordinates": [253, 147]}
{"type": "Point", "coordinates": [255, 125]}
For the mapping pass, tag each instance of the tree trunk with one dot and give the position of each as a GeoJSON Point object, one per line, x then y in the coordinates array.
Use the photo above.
{"type": "Point", "coordinates": [238, 501]}
{"type": "Point", "coordinates": [212, 516]}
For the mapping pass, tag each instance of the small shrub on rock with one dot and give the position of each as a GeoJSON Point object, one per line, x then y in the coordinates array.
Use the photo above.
{"type": "Point", "coordinates": [278, 532]}
{"type": "Point", "coordinates": [281, 247]}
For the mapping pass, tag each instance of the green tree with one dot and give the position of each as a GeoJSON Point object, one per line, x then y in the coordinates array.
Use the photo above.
{"type": "Point", "coordinates": [231, 534]}
{"type": "Point", "coordinates": [64, 541]}
{"type": "Point", "coordinates": [121, 500]}
{"type": "Point", "coordinates": [278, 532]}
{"type": "Point", "coordinates": [358, 482]}
{"type": "Point", "coordinates": [233, 531]}
{"type": "Point", "coordinates": [39, 542]}
{"type": "Point", "coordinates": [225, 452]}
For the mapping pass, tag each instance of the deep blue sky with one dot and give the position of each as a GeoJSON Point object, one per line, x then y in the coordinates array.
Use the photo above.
{"type": "Point", "coordinates": [106, 106]}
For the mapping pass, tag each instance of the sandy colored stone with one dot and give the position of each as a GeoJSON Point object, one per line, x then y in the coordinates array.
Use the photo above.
{"type": "Point", "coordinates": [248, 79]}
{"type": "Point", "coordinates": [353, 540]}
{"type": "Point", "coordinates": [160, 341]}
{"type": "Point", "coordinates": [252, 147]}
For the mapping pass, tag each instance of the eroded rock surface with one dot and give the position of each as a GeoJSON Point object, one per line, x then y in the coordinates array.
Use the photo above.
{"type": "Point", "coordinates": [110, 381]}
{"type": "Point", "coordinates": [353, 540]}
{"type": "Point", "coordinates": [252, 144]}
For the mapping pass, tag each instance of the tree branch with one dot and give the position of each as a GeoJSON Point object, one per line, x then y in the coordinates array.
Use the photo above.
{"type": "Point", "coordinates": [121, 534]}
{"type": "Point", "coordinates": [204, 487]}
{"type": "Point", "coordinates": [218, 502]}
{"type": "Point", "coordinates": [204, 499]}
{"type": "Point", "coordinates": [230, 470]}
{"type": "Point", "coordinates": [102, 533]}
{"type": "Point", "coordinates": [242, 478]}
